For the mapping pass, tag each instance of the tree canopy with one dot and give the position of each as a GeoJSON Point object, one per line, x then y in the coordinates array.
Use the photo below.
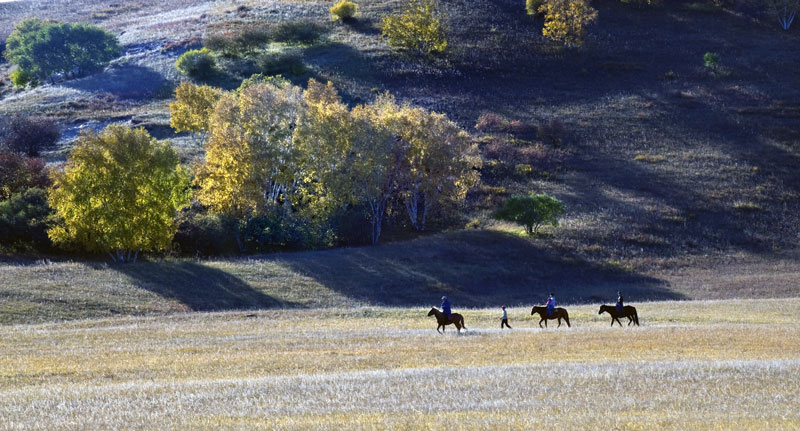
{"type": "Point", "coordinates": [43, 48]}
{"type": "Point", "coordinates": [531, 211]}
{"type": "Point", "coordinates": [119, 193]}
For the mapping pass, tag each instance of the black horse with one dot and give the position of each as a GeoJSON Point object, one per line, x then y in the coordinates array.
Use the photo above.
{"type": "Point", "coordinates": [627, 311]}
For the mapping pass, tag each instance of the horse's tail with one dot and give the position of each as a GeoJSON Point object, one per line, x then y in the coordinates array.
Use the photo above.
{"type": "Point", "coordinates": [462, 323]}
{"type": "Point", "coordinates": [635, 317]}
{"type": "Point", "coordinates": [566, 318]}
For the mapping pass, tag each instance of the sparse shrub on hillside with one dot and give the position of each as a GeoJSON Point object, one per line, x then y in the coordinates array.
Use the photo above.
{"type": "Point", "coordinates": [784, 10]}
{"type": "Point", "coordinates": [552, 132]}
{"type": "Point", "coordinates": [193, 107]}
{"type": "Point", "coordinates": [197, 63]}
{"type": "Point", "coordinates": [565, 21]}
{"type": "Point", "coordinates": [491, 122]}
{"type": "Point", "coordinates": [281, 63]}
{"type": "Point", "coordinates": [531, 211]}
{"type": "Point", "coordinates": [223, 44]}
{"type": "Point", "coordinates": [345, 10]}
{"type": "Point", "coordinates": [417, 29]}
{"type": "Point", "coordinates": [21, 79]}
{"type": "Point", "coordinates": [302, 32]}
{"type": "Point", "coordinates": [28, 135]}
{"type": "Point", "coordinates": [24, 220]}
{"type": "Point", "coordinates": [44, 49]}
{"type": "Point", "coordinates": [141, 186]}
{"type": "Point", "coordinates": [19, 173]}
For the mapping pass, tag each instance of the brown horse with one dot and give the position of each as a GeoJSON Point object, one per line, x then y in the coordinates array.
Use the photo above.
{"type": "Point", "coordinates": [627, 311]}
{"type": "Point", "coordinates": [559, 313]}
{"type": "Point", "coordinates": [455, 319]}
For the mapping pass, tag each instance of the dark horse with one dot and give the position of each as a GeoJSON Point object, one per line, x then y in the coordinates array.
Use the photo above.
{"type": "Point", "coordinates": [559, 313]}
{"type": "Point", "coordinates": [455, 319]}
{"type": "Point", "coordinates": [627, 311]}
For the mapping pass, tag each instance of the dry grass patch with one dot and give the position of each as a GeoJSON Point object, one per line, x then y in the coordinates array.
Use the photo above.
{"type": "Point", "coordinates": [711, 366]}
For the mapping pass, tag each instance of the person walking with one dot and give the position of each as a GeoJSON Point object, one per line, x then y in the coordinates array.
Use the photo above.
{"type": "Point", "coordinates": [504, 319]}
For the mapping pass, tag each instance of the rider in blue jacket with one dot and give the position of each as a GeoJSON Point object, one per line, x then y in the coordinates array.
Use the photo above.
{"type": "Point", "coordinates": [551, 304]}
{"type": "Point", "coordinates": [619, 303]}
{"type": "Point", "coordinates": [446, 308]}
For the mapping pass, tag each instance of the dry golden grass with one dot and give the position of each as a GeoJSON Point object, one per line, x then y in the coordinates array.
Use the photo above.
{"type": "Point", "coordinates": [722, 365]}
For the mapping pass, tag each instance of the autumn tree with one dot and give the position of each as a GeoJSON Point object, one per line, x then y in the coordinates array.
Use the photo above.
{"type": "Point", "coordinates": [193, 107]}
{"type": "Point", "coordinates": [418, 28]}
{"type": "Point", "coordinates": [19, 173]}
{"type": "Point", "coordinates": [119, 193]}
{"type": "Point", "coordinates": [250, 153]}
{"type": "Point", "coordinates": [566, 20]}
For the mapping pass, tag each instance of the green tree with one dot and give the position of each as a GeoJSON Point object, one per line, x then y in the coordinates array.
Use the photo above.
{"type": "Point", "coordinates": [119, 193]}
{"type": "Point", "coordinates": [418, 28]}
{"type": "Point", "coordinates": [197, 63]}
{"type": "Point", "coordinates": [531, 211]}
{"type": "Point", "coordinates": [24, 220]}
{"type": "Point", "coordinates": [566, 20]}
{"type": "Point", "coordinates": [43, 48]}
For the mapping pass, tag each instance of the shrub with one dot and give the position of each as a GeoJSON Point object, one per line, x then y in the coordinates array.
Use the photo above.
{"type": "Point", "coordinates": [552, 132]}
{"type": "Point", "coordinates": [491, 122]}
{"type": "Point", "coordinates": [19, 173]}
{"type": "Point", "coordinates": [197, 63]}
{"type": "Point", "coordinates": [28, 135]}
{"type": "Point", "coordinates": [204, 234]}
{"type": "Point", "coordinates": [417, 29]}
{"type": "Point", "coordinates": [533, 7]}
{"type": "Point", "coordinates": [24, 220]}
{"type": "Point", "coordinates": [711, 60]}
{"type": "Point", "coordinates": [531, 211]}
{"type": "Point", "coordinates": [566, 20]}
{"type": "Point", "coordinates": [345, 10]}
{"type": "Point", "coordinates": [303, 32]}
{"type": "Point", "coordinates": [284, 63]}
{"type": "Point", "coordinates": [20, 78]}
{"type": "Point", "coordinates": [42, 49]}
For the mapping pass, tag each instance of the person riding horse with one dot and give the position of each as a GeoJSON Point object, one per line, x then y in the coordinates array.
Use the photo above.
{"type": "Point", "coordinates": [619, 303]}
{"type": "Point", "coordinates": [551, 304]}
{"type": "Point", "coordinates": [446, 308]}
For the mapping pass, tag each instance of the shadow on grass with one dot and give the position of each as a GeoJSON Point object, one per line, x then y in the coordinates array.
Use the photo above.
{"type": "Point", "coordinates": [474, 269]}
{"type": "Point", "coordinates": [199, 287]}
{"type": "Point", "coordinates": [129, 82]}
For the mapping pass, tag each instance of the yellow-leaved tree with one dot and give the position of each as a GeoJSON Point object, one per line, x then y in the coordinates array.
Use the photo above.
{"type": "Point", "coordinates": [418, 28]}
{"type": "Point", "coordinates": [119, 193]}
{"type": "Point", "coordinates": [566, 20]}
{"type": "Point", "coordinates": [191, 111]}
{"type": "Point", "coordinates": [251, 159]}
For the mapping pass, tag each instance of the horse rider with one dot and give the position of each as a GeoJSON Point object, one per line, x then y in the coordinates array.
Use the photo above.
{"type": "Point", "coordinates": [551, 304]}
{"type": "Point", "coordinates": [619, 303]}
{"type": "Point", "coordinates": [446, 308]}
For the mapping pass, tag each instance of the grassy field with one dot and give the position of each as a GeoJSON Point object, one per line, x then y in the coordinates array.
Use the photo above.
{"type": "Point", "coordinates": [710, 365]}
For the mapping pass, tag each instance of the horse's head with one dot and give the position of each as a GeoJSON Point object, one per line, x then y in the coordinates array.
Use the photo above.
{"type": "Point", "coordinates": [535, 310]}
{"type": "Point", "coordinates": [602, 309]}
{"type": "Point", "coordinates": [432, 312]}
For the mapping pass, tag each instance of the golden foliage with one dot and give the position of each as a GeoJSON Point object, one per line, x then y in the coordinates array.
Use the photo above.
{"type": "Point", "coordinates": [417, 28]}
{"type": "Point", "coordinates": [566, 20]}
{"type": "Point", "coordinates": [193, 106]}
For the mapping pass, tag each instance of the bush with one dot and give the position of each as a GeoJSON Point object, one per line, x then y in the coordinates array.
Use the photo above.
{"type": "Point", "coordinates": [19, 173]}
{"type": "Point", "coordinates": [284, 63]}
{"type": "Point", "coordinates": [197, 63]}
{"type": "Point", "coordinates": [303, 32]}
{"type": "Point", "coordinates": [24, 220]}
{"type": "Point", "coordinates": [491, 122]}
{"type": "Point", "coordinates": [21, 79]}
{"type": "Point", "coordinates": [418, 29]}
{"type": "Point", "coordinates": [531, 211]}
{"type": "Point", "coordinates": [203, 234]}
{"type": "Point", "coordinates": [345, 10]}
{"type": "Point", "coordinates": [42, 49]}
{"type": "Point", "coordinates": [533, 7]}
{"type": "Point", "coordinates": [28, 135]}
{"type": "Point", "coordinates": [566, 20]}
{"type": "Point", "coordinates": [552, 132]}
{"type": "Point", "coordinates": [711, 60]}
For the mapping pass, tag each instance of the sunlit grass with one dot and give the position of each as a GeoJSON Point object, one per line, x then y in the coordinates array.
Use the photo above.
{"type": "Point", "coordinates": [712, 367]}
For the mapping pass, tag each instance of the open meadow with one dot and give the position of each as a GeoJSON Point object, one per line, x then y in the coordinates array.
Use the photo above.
{"type": "Point", "coordinates": [721, 365]}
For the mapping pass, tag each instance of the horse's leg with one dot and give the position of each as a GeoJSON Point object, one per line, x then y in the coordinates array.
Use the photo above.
{"type": "Point", "coordinates": [612, 321]}
{"type": "Point", "coordinates": [540, 322]}
{"type": "Point", "coordinates": [559, 323]}
{"type": "Point", "coordinates": [617, 319]}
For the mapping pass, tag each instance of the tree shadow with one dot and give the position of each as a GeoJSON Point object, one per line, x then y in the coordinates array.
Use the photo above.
{"type": "Point", "coordinates": [474, 269]}
{"type": "Point", "coordinates": [124, 81]}
{"type": "Point", "coordinates": [199, 287]}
